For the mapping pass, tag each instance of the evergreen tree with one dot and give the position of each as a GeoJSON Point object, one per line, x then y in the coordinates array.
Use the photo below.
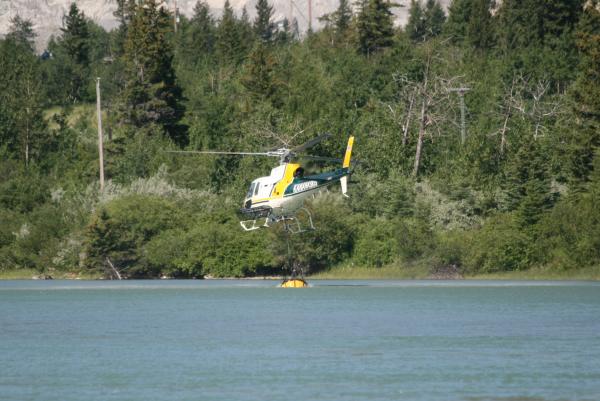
{"type": "Point", "coordinates": [480, 28]}
{"type": "Point", "coordinates": [263, 26]}
{"type": "Point", "coordinates": [527, 23]}
{"type": "Point", "coordinates": [72, 58]}
{"type": "Point", "coordinates": [434, 18]}
{"type": "Point", "coordinates": [200, 36]}
{"type": "Point", "coordinates": [21, 31]}
{"type": "Point", "coordinates": [75, 36]}
{"type": "Point", "coordinates": [342, 17]}
{"type": "Point", "coordinates": [124, 13]}
{"type": "Point", "coordinates": [459, 17]}
{"type": "Point", "coordinates": [259, 73]}
{"type": "Point", "coordinates": [425, 22]}
{"type": "Point", "coordinates": [22, 125]}
{"type": "Point", "coordinates": [375, 26]}
{"type": "Point", "coordinates": [585, 141]}
{"type": "Point", "coordinates": [415, 27]}
{"type": "Point", "coordinates": [246, 34]}
{"type": "Point", "coordinates": [470, 22]}
{"type": "Point", "coordinates": [228, 40]}
{"type": "Point", "coordinates": [151, 94]}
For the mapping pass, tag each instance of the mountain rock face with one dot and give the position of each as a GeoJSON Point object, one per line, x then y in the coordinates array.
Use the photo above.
{"type": "Point", "coordinates": [47, 15]}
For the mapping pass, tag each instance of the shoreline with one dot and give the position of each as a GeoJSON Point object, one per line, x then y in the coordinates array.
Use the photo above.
{"type": "Point", "coordinates": [587, 274]}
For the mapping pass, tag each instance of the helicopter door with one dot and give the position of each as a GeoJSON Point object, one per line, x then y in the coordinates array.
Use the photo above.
{"type": "Point", "coordinates": [250, 191]}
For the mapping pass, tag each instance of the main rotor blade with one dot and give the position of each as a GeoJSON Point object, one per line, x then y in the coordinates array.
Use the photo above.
{"type": "Point", "coordinates": [311, 143]}
{"type": "Point", "coordinates": [210, 152]}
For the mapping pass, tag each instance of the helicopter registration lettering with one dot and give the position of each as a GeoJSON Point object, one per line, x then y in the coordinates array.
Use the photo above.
{"type": "Point", "coordinates": [305, 186]}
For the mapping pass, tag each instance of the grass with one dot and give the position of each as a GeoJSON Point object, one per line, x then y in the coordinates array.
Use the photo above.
{"type": "Point", "coordinates": [28, 274]}
{"type": "Point", "coordinates": [372, 273]}
{"type": "Point", "coordinates": [420, 273]}
{"type": "Point", "coordinates": [364, 273]}
{"type": "Point", "coordinates": [587, 273]}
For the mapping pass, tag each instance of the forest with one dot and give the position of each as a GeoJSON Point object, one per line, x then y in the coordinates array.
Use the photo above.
{"type": "Point", "coordinates": [477, 129]}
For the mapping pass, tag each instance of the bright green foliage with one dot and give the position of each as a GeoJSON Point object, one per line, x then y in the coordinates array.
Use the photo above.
{"type": "Point", "coordinates": [498, 246]}
{"type": "Point", "coordinates": [210, 248]}
{"type": "Point", "coordinates": [377, 244]}
{"type": "Point", "coordinates": [375, 27]}
{"type": "Point", "coordinates": [528, 183]}
{"type": "Point", "coordinates": [263, 26]}
{"type": "Point", "coordinates": [119, 231]}
{"type": "Point", "coordinates": [151, 94]}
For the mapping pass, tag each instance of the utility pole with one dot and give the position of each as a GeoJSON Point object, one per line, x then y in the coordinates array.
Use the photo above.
{"type": "Point", "coordinates": [100, 137]}
{"type": "Point", "coordinates": [175, 18]}
{"type": "Point", "coordinates": [463, 130]}
{"type": "Point", "coordinates": [309, 15]}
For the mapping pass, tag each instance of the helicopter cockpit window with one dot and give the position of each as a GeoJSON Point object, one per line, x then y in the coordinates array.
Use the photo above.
{"type": "Point", "coordinates": [256, 188]}
{"type": "Point", "coordinates": [250, 191]}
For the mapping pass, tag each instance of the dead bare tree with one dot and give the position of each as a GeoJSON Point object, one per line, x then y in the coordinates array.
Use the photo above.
{"type": "Point", "coordinates": [428, 102]}
{"type": "Point", "coordinates": [530, 101]}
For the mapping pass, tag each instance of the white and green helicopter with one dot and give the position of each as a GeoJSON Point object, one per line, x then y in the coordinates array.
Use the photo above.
{"type": "Point", "coordinates": [280, 196]}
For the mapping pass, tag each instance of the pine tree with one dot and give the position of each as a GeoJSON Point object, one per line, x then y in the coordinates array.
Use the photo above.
{"type": "Point", "coordinates": [21, 101]}
{"type": "Point", "coordinates": [425, 22]}
{"type": "Point", "coordinates": [434, 18]}
{"type": "Point", "coordinates": [480, 28]}
{"type": "Point", "coordinates": [73, 55]}
{"type": "Point", "coordinates": [259, 73]}
{"type": "Point", "coordinates": [342, 17]}
{"type": "Point", "coordinates": [245, 33]}
{"type": "Point", "coordinates": [585, 141]}
{"type": "Point", "coordinates": [415, 28]}
{"type": "Point", "coordinates": [200, 36]}
{"type": "Point", "coordinates": [459, 17]}
{"type": "Point", "coordinates": [21, 31]}
{"type": "Point", "coordinates": [228, 40]}
{"type": "Point", "coordinates": [263, 26]}
{"type": "Point", "coordinates": [470, 22]}
{"type": "Point", "coordinates": [375, 26]}
{"type": "Point", "coordinates": [151, 94]}
{"type": "Point", "coordinates": [75, 36]}
{"type": "Point", "coordinates": [124, 13]}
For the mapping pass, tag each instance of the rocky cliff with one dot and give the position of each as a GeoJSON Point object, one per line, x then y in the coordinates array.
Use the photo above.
{"type": "Point", "coordinates": [46, 15]}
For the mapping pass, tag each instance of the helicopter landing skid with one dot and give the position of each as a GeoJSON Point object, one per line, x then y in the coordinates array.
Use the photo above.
{"type": "Point", "coordinates": [291, 224]}
{"type": "Point", "coordinates": [250, 225]}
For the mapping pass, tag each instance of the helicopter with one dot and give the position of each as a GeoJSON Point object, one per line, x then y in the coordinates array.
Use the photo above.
{"type": "Point", "coordinates": [280, 196]}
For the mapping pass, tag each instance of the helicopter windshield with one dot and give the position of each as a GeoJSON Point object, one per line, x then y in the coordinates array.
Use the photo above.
{"type": "Point", "coordinates": [250, 191]}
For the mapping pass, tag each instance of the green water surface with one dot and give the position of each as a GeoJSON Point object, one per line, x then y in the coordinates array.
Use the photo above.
{"type": "Point", "coordinates": [339, 340]}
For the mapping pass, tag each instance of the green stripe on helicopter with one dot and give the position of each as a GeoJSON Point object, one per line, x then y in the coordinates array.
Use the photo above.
{"type": "Point", "coordinates": [303, 184]}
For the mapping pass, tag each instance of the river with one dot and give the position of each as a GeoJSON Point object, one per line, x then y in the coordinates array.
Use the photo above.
{"type": "Point", "coordinates": [338, 340]}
